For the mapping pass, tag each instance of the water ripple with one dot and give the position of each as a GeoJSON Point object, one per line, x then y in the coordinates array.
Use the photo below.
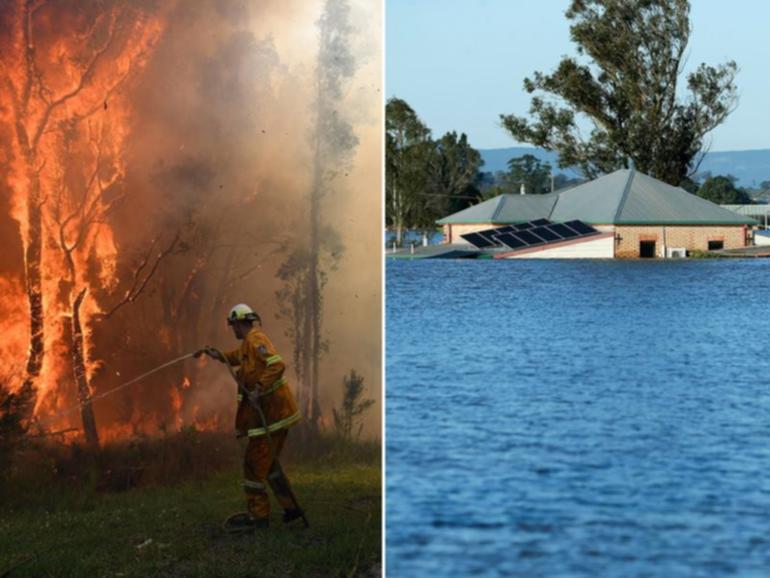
{"type": "Point", "coordinates": [577, 419]}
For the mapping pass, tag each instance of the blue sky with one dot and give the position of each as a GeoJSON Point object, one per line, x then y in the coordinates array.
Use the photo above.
{"type": "Point", "coordinates": [460, 63]}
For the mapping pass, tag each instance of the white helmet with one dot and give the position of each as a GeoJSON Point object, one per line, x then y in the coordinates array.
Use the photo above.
{"type": "Point", "coordinates": [242, 312]}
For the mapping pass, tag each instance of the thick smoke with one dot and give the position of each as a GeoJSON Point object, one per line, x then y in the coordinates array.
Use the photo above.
{"type": "Point", "coordinates": [218, 168]}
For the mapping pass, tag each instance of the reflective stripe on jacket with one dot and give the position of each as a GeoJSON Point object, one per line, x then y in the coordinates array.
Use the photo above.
{"type": "Point", "coordinates": [261, 367]}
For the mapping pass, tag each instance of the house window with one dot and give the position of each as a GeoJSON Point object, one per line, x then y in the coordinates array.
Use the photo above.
{"type": "Point", "coordinates": [647, 249]}
{"type": "Point", "coordinates": [716, 245]}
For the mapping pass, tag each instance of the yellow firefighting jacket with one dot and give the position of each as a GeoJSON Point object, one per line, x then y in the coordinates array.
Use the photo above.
{"type": "Point", "coordinates": [261, 367]}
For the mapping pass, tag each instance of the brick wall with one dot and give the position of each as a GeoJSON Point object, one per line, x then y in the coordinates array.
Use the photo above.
{"type": "Point", "coordinates": [689, 237]}
{"type": "Point", "coordinates": [452, 232]}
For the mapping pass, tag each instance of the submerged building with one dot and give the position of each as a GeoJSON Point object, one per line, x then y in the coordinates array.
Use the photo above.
{"type": "Point", "coordinates": [634, 215]}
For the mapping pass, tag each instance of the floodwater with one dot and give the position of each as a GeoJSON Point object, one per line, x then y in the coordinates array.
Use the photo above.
{"type": "Point", "coordinates": [578, 418]}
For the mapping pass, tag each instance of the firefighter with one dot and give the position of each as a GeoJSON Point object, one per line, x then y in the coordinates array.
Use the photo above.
{"type": "Point", "coordinates": [261, 371]}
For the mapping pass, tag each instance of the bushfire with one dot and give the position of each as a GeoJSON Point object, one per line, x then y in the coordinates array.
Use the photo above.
{"type": "Point", "coordinates": [64, 106]}
{"type": "Point", "coordinates": [149, 156]}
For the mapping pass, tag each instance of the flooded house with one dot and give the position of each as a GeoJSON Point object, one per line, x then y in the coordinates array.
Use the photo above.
{"type": "Point", "coordinates": [624, 214]}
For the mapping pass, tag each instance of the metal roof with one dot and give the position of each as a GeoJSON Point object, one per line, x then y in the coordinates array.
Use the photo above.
{"type": "Point", "coordinates": [505, 209]}
{"type": "Point", "coordinates": [650, 201]}
{"type": "Point", "coordinates": [596, 201]}
{"type": "Point", "coordinates": [749, 210]}
{"type": "Point", "coordinates": [624, 197]}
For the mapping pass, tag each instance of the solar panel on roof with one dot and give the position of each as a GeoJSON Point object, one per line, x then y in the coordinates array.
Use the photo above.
{"type": "Point", "coordinates": [580, 227]}
{"type": "Point", "coordinates": [529, 238]}
{"type": "Point", "coordinates": [489, 235]}
{"type": "Point", "coordinates": [534, 233]}
{"type": "Point", "coordinates": [512, 241]}
{"type": "Point", "coordinates": [545, 233]}
{"type": "Point", "coordinates": [478, 240]}
{"type": "Point", "coordinates": [563, 230]}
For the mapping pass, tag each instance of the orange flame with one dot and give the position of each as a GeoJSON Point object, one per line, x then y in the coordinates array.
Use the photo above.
{"type": "Point", "coordinates": [68, 123]}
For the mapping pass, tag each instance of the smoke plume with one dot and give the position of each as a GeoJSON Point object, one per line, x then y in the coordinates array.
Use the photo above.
{"type": "Point", "coordinates": [203, 157]}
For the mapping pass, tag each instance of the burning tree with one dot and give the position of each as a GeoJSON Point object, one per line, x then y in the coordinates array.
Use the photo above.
{"type": "Point", "coordinates": [64, 68]}
{"type": "Point", "coordinates": [305, 271]}
{"type": "Point", "coordinates": [118, 158]}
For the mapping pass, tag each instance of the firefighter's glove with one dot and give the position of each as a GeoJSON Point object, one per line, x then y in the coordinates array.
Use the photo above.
{"type": "Point", "coordinates": [211, 352]}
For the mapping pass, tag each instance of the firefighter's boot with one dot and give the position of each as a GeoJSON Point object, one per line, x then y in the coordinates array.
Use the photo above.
{"type": "Point", "coordinates": [244, 523]}
{"type": "Point", "coordinates": [293, 514]}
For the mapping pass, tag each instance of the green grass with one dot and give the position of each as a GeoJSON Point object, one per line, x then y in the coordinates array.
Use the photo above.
{"type": "Point", "coordinates": [65, 529]}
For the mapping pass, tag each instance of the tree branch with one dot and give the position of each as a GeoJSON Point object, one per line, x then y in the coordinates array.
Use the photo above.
{"type": "Point", "coordinates": [138, 286]}
{"type": "Point", "coordinates": [84, 78]}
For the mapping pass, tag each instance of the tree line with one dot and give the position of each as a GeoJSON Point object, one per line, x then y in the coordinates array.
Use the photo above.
{"type": "Point", "coordinates": [427, 178]}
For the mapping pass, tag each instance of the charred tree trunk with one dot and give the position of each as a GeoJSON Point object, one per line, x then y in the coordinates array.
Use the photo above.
{"type": "Point", "coordinates": [307, 344]}
{"type": "Point", "coordinates": [314, 292]}
{"type": "Point", "coordinates": [313, 297]}
{"type": "Point", "coordinates": [79, 371]}
{"type": "Point", "coordinates": [34, 285]}
{"type": "Point", "coordinates": [297, 354]}
{"type": "Point", "coordinates": [333, 141]}
{"type": "Point", "coordinates": [28, 142]}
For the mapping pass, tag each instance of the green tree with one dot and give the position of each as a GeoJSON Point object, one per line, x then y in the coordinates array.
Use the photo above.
{"type": "Point", "coordinates": [690, 185]}
{"type": "Point", "coordinates": [452, 172]}
{"type": "Point", "coordinates": [562, 181]}
{"type": "Point", "coordinates": [408, 147]}
{"type": "Point", "coordinates": [626, 93]}
{"type": "Point", "coordinates": [722, 190]}
{"type": "Point", "coordinates": [425, 179]}
{"type": "Point", "coordinates": [488, 185]}
{"type": "Point", "coordinates": [529, 170]}
{"type": "Point", "coordinates": [484, 180]}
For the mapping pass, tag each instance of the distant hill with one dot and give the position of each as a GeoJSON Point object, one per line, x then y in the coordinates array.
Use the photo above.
{"type": "Point", "coordinates": [750, 167]}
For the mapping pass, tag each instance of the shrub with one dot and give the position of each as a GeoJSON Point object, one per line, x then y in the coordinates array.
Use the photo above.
{"type": "Point", "coordinates": [346, 418]}
{"type": "Point", "coordinates": [14, 407]}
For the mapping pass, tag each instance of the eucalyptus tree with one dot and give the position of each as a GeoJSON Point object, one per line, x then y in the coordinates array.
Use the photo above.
{"type": "Point", "coordinates": [722, 190]}
{"type": "Point", "coordinates": [623, 90]}
{"type": "Point", "coordinates": [530, 171]}
{"type": "Point", "coordinates": [452, 172]}
{"type": "Point", "coordinates": [408, 148]}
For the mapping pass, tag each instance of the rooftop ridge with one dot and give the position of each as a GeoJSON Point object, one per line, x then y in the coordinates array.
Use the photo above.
{"type": "Point", "coordinates": [624, 196]}
{"type": "Point", "coordinates": [557, 194]}
{"type": "Point", "coordinates": [499, 207]}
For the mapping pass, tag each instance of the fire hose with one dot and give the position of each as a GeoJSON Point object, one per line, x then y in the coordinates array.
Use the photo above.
{"type": "Point", "coordinates": [253, 399]}
{"type": "Point", "coordinates": [74, 408]}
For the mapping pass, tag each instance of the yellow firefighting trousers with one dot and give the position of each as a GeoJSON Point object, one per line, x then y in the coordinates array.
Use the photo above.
{"type": "Point", "coordinates": [260, 469]}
